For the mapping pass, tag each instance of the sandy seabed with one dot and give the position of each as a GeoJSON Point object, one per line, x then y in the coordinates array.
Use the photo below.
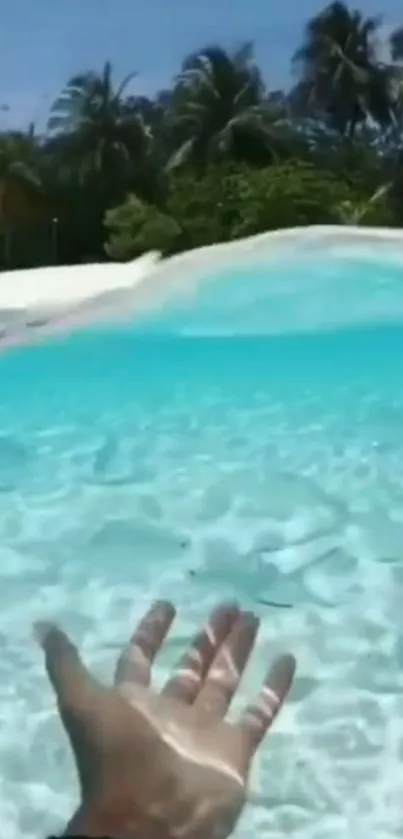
{"type": "Point", "coordinates": [262, 467]}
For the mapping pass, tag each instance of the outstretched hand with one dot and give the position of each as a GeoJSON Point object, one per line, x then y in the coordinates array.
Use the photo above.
{"type": "Point", "coordinates": [164, 765]}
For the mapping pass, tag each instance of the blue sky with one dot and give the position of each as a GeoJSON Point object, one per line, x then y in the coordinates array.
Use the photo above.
{"type": "Point", "coordinates": [43, 42]}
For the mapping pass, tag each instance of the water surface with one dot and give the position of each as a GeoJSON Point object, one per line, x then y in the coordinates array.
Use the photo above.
{"type": "Point", "coordinates": [193, 458]}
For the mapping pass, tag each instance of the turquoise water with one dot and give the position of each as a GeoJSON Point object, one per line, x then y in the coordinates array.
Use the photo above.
{"type": "Point", "coordinates": [134, 465]}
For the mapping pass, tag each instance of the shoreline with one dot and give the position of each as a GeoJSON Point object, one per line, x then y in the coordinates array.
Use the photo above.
{"type": "Point", "coordinates": [36, 303]}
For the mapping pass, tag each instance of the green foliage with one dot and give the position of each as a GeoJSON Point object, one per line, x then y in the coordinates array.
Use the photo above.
{"type": "Point", "coordinates": [291, 195]}
{"type": "Point", "coordinates": [206, 207]}
{"type": "Point", "coordinates": [375, 210]}
{"type": "Point", "coordinates": [230, 203]}
{"type": "Point", "coordinates": [216, 157]}
{"type": "Point", "coordinates": [136, 227]}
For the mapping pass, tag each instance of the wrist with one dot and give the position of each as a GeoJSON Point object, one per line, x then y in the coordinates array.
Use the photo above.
{"type": "Point", "coordinates": [85, 823]}
{"type": "Point", "coordinates": [90, 822]}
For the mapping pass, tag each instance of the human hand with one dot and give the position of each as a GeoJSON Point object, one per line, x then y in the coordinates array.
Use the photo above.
{"type": "Point", "coordinates": [164, 765]}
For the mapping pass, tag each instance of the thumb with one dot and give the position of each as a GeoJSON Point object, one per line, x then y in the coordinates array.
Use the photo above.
{"type": "Point", "coordinates": [68, 676]}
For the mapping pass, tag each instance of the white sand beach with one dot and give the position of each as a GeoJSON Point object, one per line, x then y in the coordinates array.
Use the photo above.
{"type": "Point", "coordinates": [36, 302]}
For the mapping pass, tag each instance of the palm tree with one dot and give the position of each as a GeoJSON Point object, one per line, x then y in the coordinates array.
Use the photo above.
{"type": "Point", "coordinates": [96, 135]}
{"type": "Point", "coordinates": [396, 50]}
{"type": "Point", "coordinates": [219, 105]}
{"type": "Point", "coordinates": [340, 75]}
{"type": "Point", "coordinates": [153, 111]}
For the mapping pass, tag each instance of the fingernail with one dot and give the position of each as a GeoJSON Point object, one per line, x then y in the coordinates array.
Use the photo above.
{"type": "Point", "coordinates": [228, 607]}
{"type": "Point", "coordinates": [282, 672]}
{"type": "Point", "coordinates": [162, 607]}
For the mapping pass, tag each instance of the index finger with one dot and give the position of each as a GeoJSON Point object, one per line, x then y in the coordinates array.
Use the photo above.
{"type": "Point", "coordinates": [261, 712]}
{"type": "Point", "coordinates": [134, 664]}
{"type": "Point", "coordinates": [187, 681]}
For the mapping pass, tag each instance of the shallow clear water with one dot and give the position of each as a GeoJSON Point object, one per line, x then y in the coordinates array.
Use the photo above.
{"type": "Point", "coordinates": [270, 467]}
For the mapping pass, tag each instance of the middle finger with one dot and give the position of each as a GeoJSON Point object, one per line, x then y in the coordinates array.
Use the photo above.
{"type": "Point", "coordinates": [186, 683]}
{"type": "Point", "coordinates": [227, 668]}
{"type": "Point", "coordinates": [134, 664]}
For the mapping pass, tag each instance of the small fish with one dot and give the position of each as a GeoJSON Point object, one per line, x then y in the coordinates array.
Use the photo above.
{"type": "Point", "coordinates": [273, 604]}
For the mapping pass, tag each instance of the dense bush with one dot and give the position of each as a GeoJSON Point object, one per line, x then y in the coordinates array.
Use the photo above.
{"type": "Point", "coordinates": [137, 227]}
{"type": "Point", "coordinates": [228, 204]}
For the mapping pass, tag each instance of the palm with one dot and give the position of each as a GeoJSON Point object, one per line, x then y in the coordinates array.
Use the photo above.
{"type": "Point", "coordinates": [96, 134]}
{"type": "Point", "coordinates": [219, 105]}
{"type": "Point", "coordinates": [166, 762]}
{"type": "Point", "coordinates": [340, 76]}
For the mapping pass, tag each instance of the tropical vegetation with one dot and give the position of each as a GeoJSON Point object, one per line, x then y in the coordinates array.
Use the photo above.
{"type": "Point", "coordinates": [217, 156]}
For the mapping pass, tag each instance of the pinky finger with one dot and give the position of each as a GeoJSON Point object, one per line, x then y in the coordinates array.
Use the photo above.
{"type": "Point", "coordinates": [259, 715]}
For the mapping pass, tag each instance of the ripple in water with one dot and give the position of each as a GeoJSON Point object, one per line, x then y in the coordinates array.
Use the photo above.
{"type": "Point", "coordinates": [260, 476]}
